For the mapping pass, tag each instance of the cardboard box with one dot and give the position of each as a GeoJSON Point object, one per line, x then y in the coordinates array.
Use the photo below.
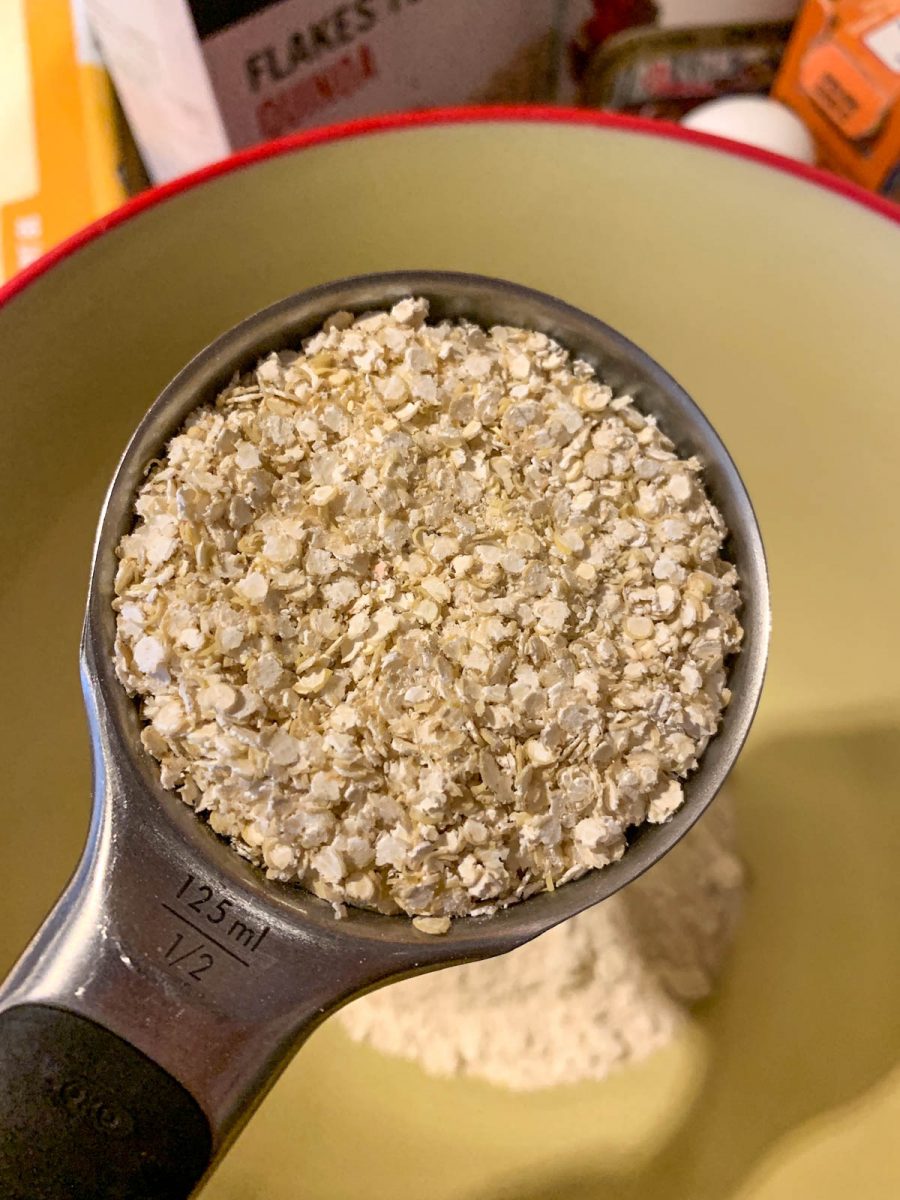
{"type": "Point", "coordinates": [198, 79]}
{"type": "Point", "coordinates": [58, 140]}
{"type": "Point", "coordinates": [841, 75]}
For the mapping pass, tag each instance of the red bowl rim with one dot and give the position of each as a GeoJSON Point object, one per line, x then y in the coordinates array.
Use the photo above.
{"type": "Point", "coordinates": [441, 116]}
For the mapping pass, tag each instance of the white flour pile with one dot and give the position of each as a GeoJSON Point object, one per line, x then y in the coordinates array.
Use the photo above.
{"type": "Point", "coordinates": [601, 991]}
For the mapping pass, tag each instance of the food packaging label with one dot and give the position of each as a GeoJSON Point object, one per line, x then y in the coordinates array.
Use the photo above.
{"type": "Point", "coordinates": [199, 79]}
{"type": "Point", "coordinates": [841, 75]}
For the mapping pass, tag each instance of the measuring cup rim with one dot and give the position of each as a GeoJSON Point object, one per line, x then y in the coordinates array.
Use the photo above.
{"type": "Point", "coordinates": [485, 301]}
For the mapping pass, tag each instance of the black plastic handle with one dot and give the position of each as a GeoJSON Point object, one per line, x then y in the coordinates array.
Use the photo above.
{"type": "Point", "coordinates": [84, 1114]}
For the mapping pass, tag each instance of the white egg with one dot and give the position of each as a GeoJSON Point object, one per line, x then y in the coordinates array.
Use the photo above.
{"type": "Point", "coordinates": [756, 121]}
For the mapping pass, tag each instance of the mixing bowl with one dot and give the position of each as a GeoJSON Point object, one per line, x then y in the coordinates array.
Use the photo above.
{"type": "Point", "coordinates": [772, 298]}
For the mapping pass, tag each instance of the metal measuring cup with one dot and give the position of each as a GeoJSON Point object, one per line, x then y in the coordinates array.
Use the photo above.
{"type": "Point", "coordinates": [172, 982]}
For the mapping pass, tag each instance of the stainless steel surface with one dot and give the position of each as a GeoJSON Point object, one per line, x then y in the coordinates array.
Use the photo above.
{"type": "Point", "coordinates": [174, 942]}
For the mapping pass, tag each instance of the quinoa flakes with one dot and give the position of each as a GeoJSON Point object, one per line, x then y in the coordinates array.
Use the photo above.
{"type": "Point", "coordinates": [424, 617]}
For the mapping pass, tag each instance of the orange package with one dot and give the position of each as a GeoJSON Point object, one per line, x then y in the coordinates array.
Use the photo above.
{"type": "Point", "coordinates": [841, 75]}
{"type": "Point", "coordinates": [58, 142]}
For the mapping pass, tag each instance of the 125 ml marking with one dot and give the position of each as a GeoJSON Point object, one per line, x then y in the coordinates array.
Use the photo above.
{"type": "Point", "coordinates": [199, 909]}
{"type": "Point", "coordinates": [217, 912]}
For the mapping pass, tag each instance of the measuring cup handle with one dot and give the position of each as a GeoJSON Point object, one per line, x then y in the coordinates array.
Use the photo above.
{"type": "Point", "coordinates": [84, 1113]}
